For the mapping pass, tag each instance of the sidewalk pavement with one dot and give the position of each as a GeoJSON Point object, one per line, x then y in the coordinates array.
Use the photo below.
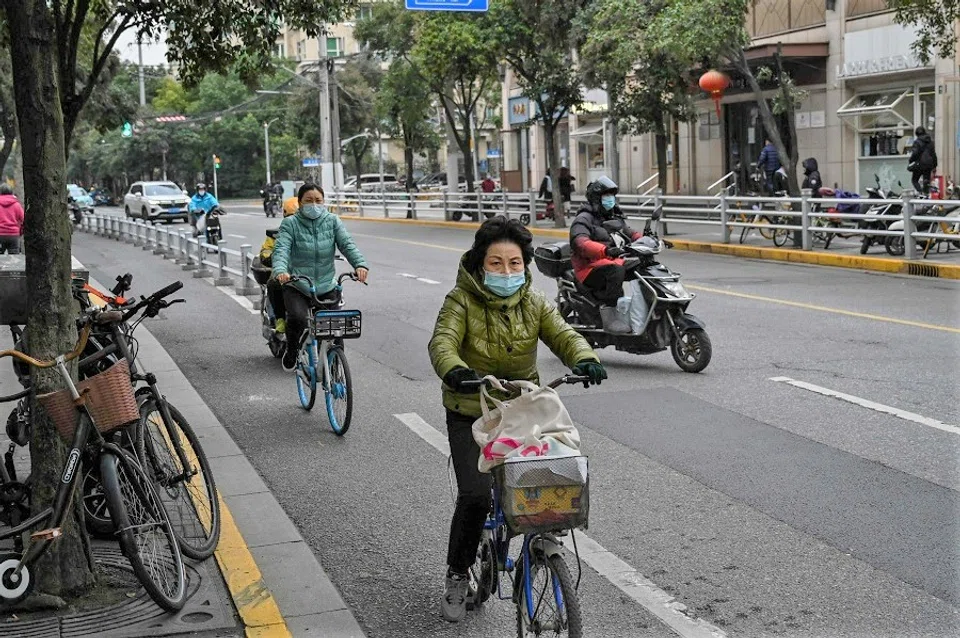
{"type": "Point", "coordinates": [277, 585]}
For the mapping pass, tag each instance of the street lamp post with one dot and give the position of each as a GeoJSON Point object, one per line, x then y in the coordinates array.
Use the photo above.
{"type": "Point", "coordinates": [266, 144]}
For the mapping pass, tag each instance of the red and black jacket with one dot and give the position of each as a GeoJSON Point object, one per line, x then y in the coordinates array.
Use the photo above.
{"type": "Point", "coordinates": [589, 239]}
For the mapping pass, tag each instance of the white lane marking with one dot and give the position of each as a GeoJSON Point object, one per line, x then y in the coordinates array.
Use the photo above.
{"type": "Point", "coordinates": [407, 275]}
{"type": "Point", "coordinates": [624, 577]}
{"type": "Point", "coordinates": [878, 407]}
{"type": "Point", "coordinates": [238, 236]}
{"type": "Point", "coordinates": [240, 299]}
{"type": "Point", "coordinates": [428, 281]}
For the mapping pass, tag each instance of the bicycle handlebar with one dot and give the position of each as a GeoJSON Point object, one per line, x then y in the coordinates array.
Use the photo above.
{"type": "Point", "coordinates": [70, 356]}
{"type": "Point", "coordinates": [567, 379]}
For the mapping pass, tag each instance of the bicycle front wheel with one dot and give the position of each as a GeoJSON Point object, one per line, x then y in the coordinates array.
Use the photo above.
{"type": "Point", "coordinates": [339, 391]}
{"type": "Point", "coordinates": [548, 604]}
{"type": "Point", "coordinates": [144, 530]}
{"type": "Point", "coordinates": [188, 492]}
{"type": "Point", "coordinates": [307, 376]}
{"type": "Point", "coordinates": [780, 235]}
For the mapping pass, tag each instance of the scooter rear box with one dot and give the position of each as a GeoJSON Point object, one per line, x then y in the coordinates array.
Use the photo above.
{"type": "Point", "coordinates": [13, 287]}
{"type": "Point", "coordinates": [553, 259]}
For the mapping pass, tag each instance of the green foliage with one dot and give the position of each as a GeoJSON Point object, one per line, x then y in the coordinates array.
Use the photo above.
{"type": "Point", "coordinates": [171, 98]}
{"type": "Point", "coordinates": [402, 107]}
{"type": "Point", "coordinates": [936, 23]}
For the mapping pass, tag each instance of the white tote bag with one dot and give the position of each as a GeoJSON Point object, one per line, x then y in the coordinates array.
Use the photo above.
{"type": "Point", "coordinates": [535, 423]}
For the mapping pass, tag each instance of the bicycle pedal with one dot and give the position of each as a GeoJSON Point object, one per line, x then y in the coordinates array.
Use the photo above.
{"type": "Point", "coordinates": [47, 534]}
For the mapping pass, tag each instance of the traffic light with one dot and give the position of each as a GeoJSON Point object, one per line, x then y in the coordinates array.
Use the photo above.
{"type": "Point", "coordinates": [127, 130]}
{"type": "Point", "coordinates": [216, 161]}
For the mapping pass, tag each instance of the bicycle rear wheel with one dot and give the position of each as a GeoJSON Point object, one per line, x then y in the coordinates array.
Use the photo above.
{"type": "Point", "coordinates": [780, 235]}
{"type": "Point", "coordinates": [765, 231]}
{"type": "Point", "coordinates": [144, 530]}
{"type": "Point", "coordinates": [188, 493]}
{"type": "Point", "coordinates": [549, 606]}
{"type": "Point", "coordinates": [339, 392]}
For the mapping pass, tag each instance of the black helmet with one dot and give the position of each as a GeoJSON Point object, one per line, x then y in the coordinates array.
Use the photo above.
{"type": "Point", "coordinates": [600, 187]}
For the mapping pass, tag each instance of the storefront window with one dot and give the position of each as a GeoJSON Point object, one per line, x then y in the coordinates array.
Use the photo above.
{"type": "Point", "coordinates": [885, 122]}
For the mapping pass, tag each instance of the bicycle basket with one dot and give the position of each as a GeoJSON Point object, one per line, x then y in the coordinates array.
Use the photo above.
{"type": "Point", "coordinates": [109, 400]}
{"type": "Point", "coordinates": [543, 494]}
{"type": "Point", "coordinates": [338, 324]}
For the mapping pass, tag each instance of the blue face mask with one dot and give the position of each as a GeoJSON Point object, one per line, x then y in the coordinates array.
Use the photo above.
{"type": "Point", "coordinates": [313, 211]}
{"type": "Point", "coordinates": [608, 202]}
{"type": "Point", "coordinates": [503, 285]}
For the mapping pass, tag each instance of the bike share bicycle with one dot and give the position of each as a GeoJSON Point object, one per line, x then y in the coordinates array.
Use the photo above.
{"type": "Point", "coordinates": [88, 415]}
{"type": "Point", "coordinates": [322, 359]}
{"type": "Point", "coordinates": [542, 499]}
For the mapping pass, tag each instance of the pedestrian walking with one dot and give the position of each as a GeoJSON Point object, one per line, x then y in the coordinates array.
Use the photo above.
{"type": "Point", "coordinates": [11, 221]}
{"type": "Point", "coordinates": [923, 161]}
{"type": "Point", "coordinates": [490, 324]}
{"type": "Point", "coordinates": [546, 187]}
{"type": "Point", "coordinates": [769, 162]}
{"type": "Point", "coordinates": [566, 188]}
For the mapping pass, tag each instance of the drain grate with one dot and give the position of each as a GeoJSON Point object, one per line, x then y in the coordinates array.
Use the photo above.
{"type": "Point", "coordinates": [207, 608]}
{"type": "Point", "coordinates": [923, 270]}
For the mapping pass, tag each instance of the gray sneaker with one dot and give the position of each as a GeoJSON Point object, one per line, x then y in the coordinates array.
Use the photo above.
{"type": "Point", "coordinates": [453, 605]}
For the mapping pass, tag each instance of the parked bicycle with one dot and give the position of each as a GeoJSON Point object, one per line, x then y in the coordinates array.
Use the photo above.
{"type": "Point", "coordinates": [87, 414]}
{"type": "Point", "coordinates": [543, 589]}
{"type": "Point", "coordinates": [322, 359]}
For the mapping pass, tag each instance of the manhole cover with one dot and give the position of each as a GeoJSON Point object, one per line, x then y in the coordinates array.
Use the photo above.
{"type": "Point", "coordinates": [207, 608]}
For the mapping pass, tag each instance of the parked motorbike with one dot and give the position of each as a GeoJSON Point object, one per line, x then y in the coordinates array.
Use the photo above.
{"type": "Point", "coordinates": [102, 197]}
{"type": "Point", "coordinates": [879, 215]}
{"type": "Point", "coordinates": [76, 210]}
{"type": "Point", "coordinates": [666, 323]}
{"type": "Point", "coordinates": [950, 211]}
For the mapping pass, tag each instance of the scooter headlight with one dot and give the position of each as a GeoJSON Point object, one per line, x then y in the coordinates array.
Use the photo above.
{"type": "Point", "coordinates": [675, 288]}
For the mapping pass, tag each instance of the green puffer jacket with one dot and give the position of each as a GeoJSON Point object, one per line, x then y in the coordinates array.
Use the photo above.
{"type": "Point", "coordinates": [477, 329]}
{"type": "Point", "coordinates": [308, 246]}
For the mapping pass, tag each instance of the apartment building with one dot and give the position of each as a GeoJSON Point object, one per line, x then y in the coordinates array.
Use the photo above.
{"type": "Point", "coordinates": [866, 94]}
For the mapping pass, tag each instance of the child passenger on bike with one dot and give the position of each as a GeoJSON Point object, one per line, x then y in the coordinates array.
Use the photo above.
{"type": "Point", "coordinates": [307, 245]}
{"type": "Point", "coordinates": [490, 324]}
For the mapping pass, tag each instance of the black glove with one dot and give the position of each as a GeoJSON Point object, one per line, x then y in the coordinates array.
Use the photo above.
{"type": "Point", "coordinates": [614, 251]}
{"type": "Point", "coordinates": [592, 369]}
{"type": "Point", "coordinates": [455, 378]}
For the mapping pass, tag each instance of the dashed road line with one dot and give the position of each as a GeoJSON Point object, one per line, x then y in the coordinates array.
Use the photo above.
{"type": "Point", "coordinates": [424, 280]}
{"type": "Point", "coordinates": [872, 405]}
{"type": "Point", "coordinates": [624, 577]}
{"type": "Point", "coordinates": [428, 281]}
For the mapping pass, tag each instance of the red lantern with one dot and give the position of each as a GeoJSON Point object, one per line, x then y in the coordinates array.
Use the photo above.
{"type": "Point", "coordinates": [715, 83]}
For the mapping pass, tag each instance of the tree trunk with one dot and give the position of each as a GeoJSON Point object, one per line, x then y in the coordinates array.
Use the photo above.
{"type": "Point", "coordinates": [614, 150]}
{"type": "Point", "coordinates": [553, 163]}
{"type": "Point", "coordinates": [67, 567]}
{"type": "Point", "coordinates": [660, 138]}
{"type": "Point", "coordinates": [408, 181]}
{"type": "Point", "coordinates": [6, 150]}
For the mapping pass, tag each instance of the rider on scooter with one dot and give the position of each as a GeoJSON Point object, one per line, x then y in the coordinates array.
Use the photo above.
{"type": "Point", "coordinates": [274, 288]}
{"type": "Point", "coordinates": [201, 204]}
{"type": "Point", "coordinates": [596, 257]}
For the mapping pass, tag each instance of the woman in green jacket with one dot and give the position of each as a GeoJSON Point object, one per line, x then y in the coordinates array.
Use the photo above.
{"type": "Point", "coordinates": [490, 323]}
{"type": "Point", "coordinates": [306, 245]}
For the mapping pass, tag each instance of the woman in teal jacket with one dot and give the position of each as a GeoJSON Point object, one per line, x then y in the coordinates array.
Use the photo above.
{"type": "Point", "coordinates": [306, 245]}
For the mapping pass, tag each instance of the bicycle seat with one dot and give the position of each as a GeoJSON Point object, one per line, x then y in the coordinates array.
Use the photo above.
{"type": "Point", "coordinates": [273, 232]}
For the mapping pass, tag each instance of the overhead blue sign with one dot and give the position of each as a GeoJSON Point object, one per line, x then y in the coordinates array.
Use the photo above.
{"type": "Point", "coordinates": [310, 162]}
{"type": "Point", "coordinates": [448, 5]}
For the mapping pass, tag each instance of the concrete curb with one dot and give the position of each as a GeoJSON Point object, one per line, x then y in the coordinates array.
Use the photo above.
{"type": "Point", "coordinates": [277, 584]}
{"type": "Point", "coordinates": [875, 264]}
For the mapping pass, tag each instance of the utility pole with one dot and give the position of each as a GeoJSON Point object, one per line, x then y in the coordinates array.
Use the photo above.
{"type": "Point", "coordinates": [266, 144]}
{"type": "Point", "coordinates": [216, 192]}
{"type": "Point", "coordinates": [143, 91]}
{"type": "Point", "coordinates": [335, 125]}
{"type": "Point", "coordinates": [326, 138]}
{"type": "Point", "coordinates": [614, 146]}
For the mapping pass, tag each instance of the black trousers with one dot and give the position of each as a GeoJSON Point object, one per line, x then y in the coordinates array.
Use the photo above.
{"type": "Point", "coordinates": [275, 294]}
{"type": "Point", "coordinates": [606, 282]}
{"type": "Point", "coordinates": [921, 181]}
{"type": "Point", "coordinates": [473, 494]}
{"type": "Point", "coordinates": [9, 244]}
{"type": "Point", "coordinates": [298, 307]}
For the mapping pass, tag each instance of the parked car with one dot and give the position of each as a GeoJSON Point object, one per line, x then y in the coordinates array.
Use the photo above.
{"type": "Point", "coordinates": [370, 182]}
{"type": "Point", "coordinates": [156, 200]}
{"type": "Point", "coordinates": [82, 199]}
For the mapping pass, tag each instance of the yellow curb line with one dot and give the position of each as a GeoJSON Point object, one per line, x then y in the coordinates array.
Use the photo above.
{"type": "Point", "coordinates": [257, 608]}
{"type": "Point", "coordinates": [876, 264]}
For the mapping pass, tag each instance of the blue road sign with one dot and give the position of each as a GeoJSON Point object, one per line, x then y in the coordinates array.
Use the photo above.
{"type": "Point", "coordinates": [310, 162]}
{"type": "Point", "coordinates": [448, 5]}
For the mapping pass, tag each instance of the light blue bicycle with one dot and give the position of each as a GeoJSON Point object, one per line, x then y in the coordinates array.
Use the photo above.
{"type": "Point", "coordinates": [322, 360]}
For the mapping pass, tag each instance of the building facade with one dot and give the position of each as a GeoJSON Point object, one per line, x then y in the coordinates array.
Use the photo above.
{"type": "Point", "coordinates": [866, 92]}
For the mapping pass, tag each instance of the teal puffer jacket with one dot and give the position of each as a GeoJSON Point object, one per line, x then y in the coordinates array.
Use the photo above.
{"type": "Point", "coordinates": [308, 246]}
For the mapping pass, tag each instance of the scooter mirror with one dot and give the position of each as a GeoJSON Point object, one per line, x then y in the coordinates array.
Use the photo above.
{"type": "Point", "coordinates": [657, 213]}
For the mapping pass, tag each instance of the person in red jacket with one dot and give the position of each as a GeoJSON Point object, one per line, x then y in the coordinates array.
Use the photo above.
{"type": "Point", "coordinates": [596, 256]}
{"type": "Point", "coordinates": [11, 221]}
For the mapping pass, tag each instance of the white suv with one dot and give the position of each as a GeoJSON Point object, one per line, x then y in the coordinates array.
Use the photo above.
{"type": "Point", "coordinates": [156, 200]}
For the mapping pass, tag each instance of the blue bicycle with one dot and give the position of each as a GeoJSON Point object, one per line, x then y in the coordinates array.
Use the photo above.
{"type": "Point", "coordinates": [540, 498]}
{"type": "Point", "coordinates": [322, 360]}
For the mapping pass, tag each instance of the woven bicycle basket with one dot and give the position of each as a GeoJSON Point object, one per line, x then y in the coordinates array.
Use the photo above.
{"type": "Point", "coordinates": [109, 400]}
{"type": "Point", "coordinates": [544, 494]}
